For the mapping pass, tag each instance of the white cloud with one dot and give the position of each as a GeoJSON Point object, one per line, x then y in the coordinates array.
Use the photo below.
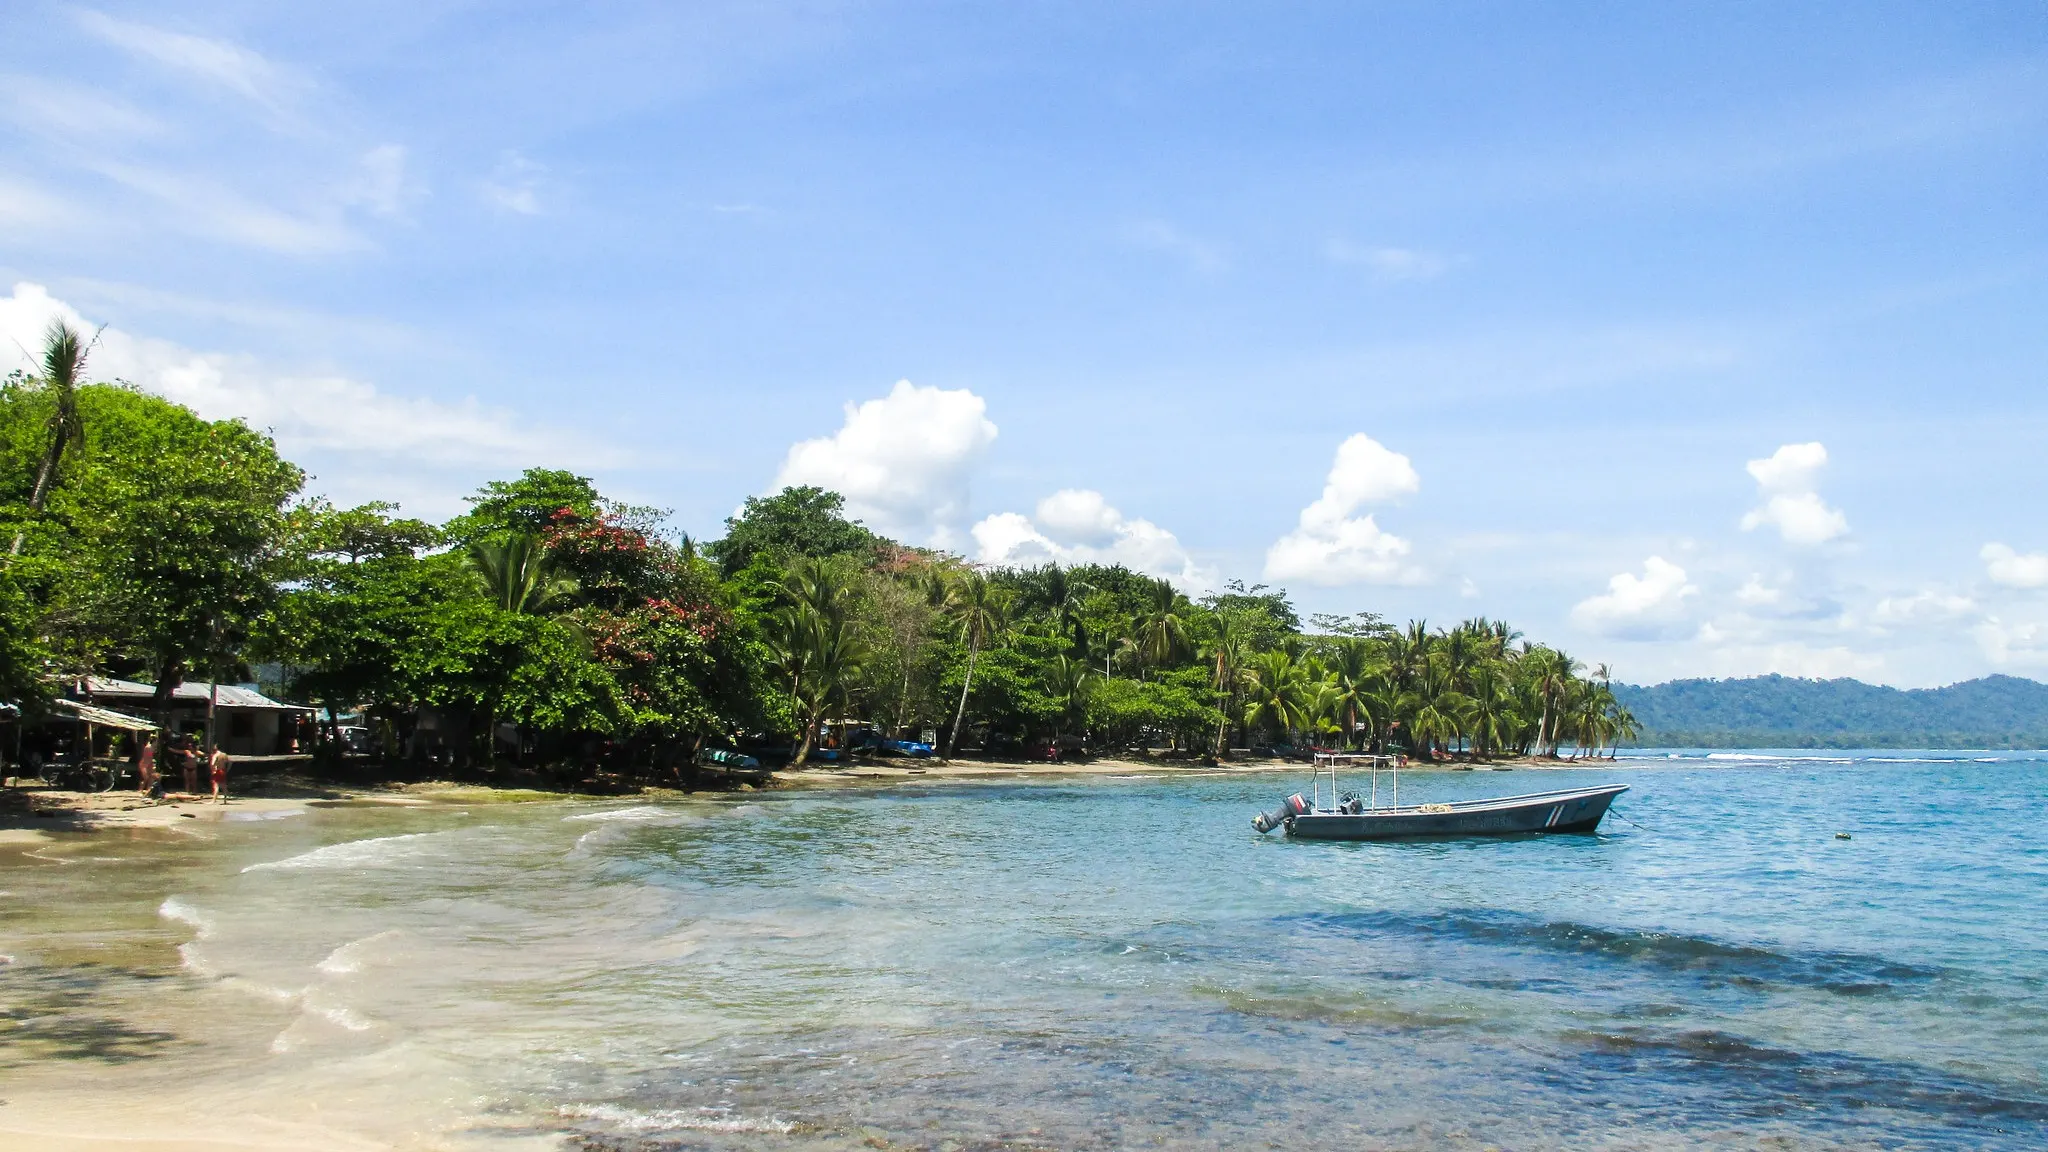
{"type": "Point", "coordinates": [2014, 569]}
{"type": "Point", "coordinates": [1638, 607]}
{"type": "Point", "coordinates": [902, 461]}
{"type": "Point", "coordinates": [1331, 545]}
{"type": "Point", "coordinates": [1785, 480]}
{"type": "Point", "coordinates": [320, 412]}
{"type": "Point", "coordinates": [1755, 594]}
{"type": "Point", "coordinates": [1079, 526]}
{"type": "Point", "coordinates": [1389, 263]}
{"type": "Point", "coordinates": [380, 185]}
{"type": "Point", "coordinates": [1927, 605]}
{"type": "Point", "coordinates": [2019, 644]}
{"type": "Point", "coordinates": [1793, 659]}
{"type": "Point", "coordinates": [515, 185]}
{"type": "Point", "coordinates": [216, 62]}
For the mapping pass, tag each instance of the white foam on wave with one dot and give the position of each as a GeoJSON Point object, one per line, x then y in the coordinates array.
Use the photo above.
{"type": "Point", "coordinates": [276, 814]}
{"type": "Point", "coordinates": [671, 1120]}
{"type": "Point", "coordinates": [352, 854]}
{"type": "Point", "coordinates": [262, 991]}
{"type": "Point", "coordinates": [639, 814]}
{"type": "Point", "coordinates": [349, 958]}
{"type": "Point", "coordinates": [1757, 757]}
{"type": "Point", "coordinates": [174, 908]}
{"type": "Point", "coordinates": [343, 1018]}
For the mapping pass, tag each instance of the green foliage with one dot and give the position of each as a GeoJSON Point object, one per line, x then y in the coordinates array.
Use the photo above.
{"type": "Point", "coordinates": [164, 542]}
{"type": "Point", "coordinates": [798, 521]}
{"type": "Point", "coordinates": [524, 507]}
{"type": "Point", "coordinates": [1787, 712]}
{"type": "Point", "coordinates": [165, 538]}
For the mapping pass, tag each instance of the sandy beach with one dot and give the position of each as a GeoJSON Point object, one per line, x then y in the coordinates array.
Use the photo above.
{"type": "Point", "coordinates": [35, 814]}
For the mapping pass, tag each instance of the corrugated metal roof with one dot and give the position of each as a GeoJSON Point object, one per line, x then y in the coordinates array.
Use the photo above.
{"type": "Point", "coordinates": [190, 692]}
{"type": "Point", "coordinates": [107, 717]}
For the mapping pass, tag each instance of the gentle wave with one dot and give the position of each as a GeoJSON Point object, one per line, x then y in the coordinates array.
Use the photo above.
{"type": "Point", "coordinates": [176, 909]}
{"type": "Point", "coordinates": [353, 854]}
{"type": "Point", "coordinates": [639, 813]}
{"type": "Point", "coordinates": [349, 958]}
{"type": "Point", "coordinates": [671, 1120]}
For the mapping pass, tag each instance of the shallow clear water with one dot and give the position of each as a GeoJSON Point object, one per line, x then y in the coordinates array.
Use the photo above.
{"type": "Point", "coordinates": [1097, 963]}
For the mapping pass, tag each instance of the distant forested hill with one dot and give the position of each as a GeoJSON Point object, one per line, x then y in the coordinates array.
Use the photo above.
{"type": "Point", "coordinates": [1781, 712]}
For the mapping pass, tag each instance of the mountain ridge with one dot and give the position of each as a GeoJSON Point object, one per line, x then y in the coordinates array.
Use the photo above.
{"type": "Point", "coordinates": [1996, 711]}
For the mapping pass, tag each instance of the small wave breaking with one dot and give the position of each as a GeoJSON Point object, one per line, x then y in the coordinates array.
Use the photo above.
{"type": "Point", "coordinates": [352, 854]}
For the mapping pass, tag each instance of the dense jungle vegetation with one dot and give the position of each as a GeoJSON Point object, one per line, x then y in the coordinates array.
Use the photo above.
{"type": "Point", "coordinates": [1785, 712]}
{"type": "Point", "coordinates": [151, 544]}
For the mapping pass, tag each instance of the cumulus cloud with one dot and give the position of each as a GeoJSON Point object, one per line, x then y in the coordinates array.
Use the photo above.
{"type": "Point", "coordinates": [2014, 569]}
{"type": "Point", "coordinates": [902, 461]}
{"type": "Point", "coordinates": [1637, 607]}
{"type": "Point", "coordinates": [1921, 606]}
{"type": "Point", "coordinates": [321, 412]}
{"type": "Point", "coordinates": [2014, 644]}
{"type": "Point", "coordinates": [1333, 545]}
{"type": "Point", "coordinates": [1795, 659]}
{"type": "Point", "coordinates": [1080, 526]}
{"type": "Point", "coordinates": [1785, 482]}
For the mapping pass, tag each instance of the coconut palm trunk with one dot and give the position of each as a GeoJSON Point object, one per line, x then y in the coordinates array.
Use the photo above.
{"type": "Point", "coordinates": [966, 682]}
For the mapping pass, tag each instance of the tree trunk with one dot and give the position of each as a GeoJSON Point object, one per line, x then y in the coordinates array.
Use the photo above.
{"type": "Point", "coordinates": [41, 491]}
{"type": "Point", "coordinates": [803, 749]}
{"type": "Point", "coordinates": [960, 713]}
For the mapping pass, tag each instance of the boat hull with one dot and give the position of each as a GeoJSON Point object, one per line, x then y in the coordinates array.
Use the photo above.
{"type": "Point", "coordinates": [1570, 810]}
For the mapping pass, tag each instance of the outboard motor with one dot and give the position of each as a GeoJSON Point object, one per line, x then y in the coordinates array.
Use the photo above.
{"type": "Point", "coordinates": [1289, 808]}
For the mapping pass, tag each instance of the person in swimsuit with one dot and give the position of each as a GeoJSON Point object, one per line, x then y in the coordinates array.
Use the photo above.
{"type": "Point", "coordinates": [145, 766]}
{"type": "Point", "coordinates": [188, 763]}
{"type": "Point", "coordinates": [219, 763]}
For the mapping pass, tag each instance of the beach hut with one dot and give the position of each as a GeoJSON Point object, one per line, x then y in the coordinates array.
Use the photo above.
{"type": "Point", "coordinates": [246, 722]}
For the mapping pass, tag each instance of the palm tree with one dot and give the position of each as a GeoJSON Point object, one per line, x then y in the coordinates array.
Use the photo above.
{"type": "Point", "coordinates": [1069, 685]}
{"type": "Point", "coordinates": [980, 612]}
{"type": "Point", "coordinates": [1277, 691]}
{"type": "Point", "coordinates": [1356, 676]}
{"type": "Point", "coordinates": [834, 657]}
{"type": "Point", "coordinates": [1227, 652]}
{"type": "Point", "coordinates": [64, 354]}
{"type": "Point", "coordinates": [1490, 716]}
{"type": "Point", "coordinates": [517, 574]}
{"type": "Point", "coordinates": [1064, 596]}
{"type": "Point", "coordinates": [1162, 631]}
{"type": "Point", "coordinates": [1625, 726]}
{"type": "Point", "coordinates": [1554, 673]}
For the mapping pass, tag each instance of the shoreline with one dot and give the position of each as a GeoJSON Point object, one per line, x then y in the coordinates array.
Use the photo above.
{"type": "Point", "coordinates": [40, 815]}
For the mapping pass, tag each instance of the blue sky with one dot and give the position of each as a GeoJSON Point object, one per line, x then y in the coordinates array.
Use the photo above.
{"type": "Point", "coordinates": [1429, 309]}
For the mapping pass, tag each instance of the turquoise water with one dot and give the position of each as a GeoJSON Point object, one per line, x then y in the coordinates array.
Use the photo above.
{"type": "Point", "coordinates": [1110, 963]}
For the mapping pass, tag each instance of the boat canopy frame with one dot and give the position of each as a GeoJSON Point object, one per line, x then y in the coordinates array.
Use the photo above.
{"type": "Point", "coordinates": [1327, 762]}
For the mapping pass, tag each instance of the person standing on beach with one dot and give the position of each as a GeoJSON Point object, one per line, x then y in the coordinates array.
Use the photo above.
{"type": "Point", "coordinates": [145, 766]}
{"type": "Point", "coordinates": [188, 762]}
{"type": "Point", "coordinates": [219, 763]}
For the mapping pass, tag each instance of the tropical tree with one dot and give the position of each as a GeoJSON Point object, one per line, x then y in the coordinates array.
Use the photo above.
{"type": "Point", "coordinates": [64, 354]}
{"type": "Point", "coordinates": [1162, 634]}
{"type": "Point", "coordinates": [1068, 683]}
{"type": "Point", "coordinates": [518, 575]}
{"type": "Point", "coordinates": [980, 611]}
{"type": "Point", "coordinates": [1228, 649]}
{"type": "Point", "coordinates": [1277, 691]}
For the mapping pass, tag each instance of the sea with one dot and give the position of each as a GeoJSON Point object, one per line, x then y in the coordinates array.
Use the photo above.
{"type": "Point", "coordinates": [1757, 949]}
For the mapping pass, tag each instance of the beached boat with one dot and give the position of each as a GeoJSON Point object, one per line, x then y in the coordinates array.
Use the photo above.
{"type": "Point", "coordinates": [1350, 816]}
